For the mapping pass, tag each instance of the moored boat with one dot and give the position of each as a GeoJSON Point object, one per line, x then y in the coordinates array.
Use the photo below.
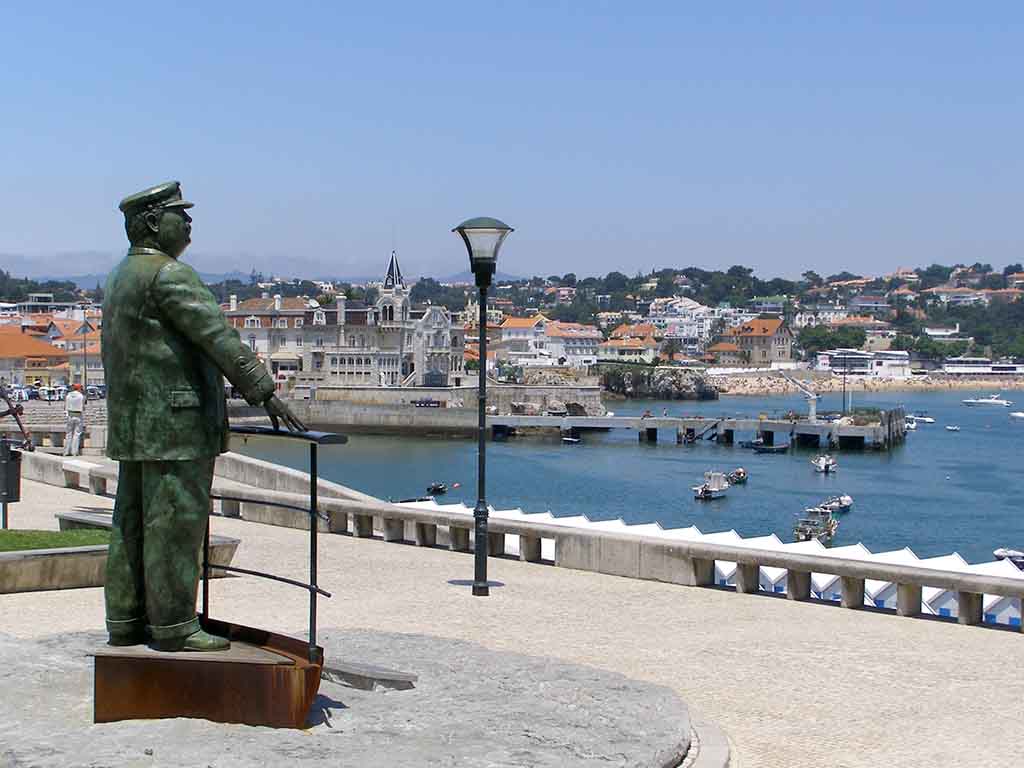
{"type": "Point", "coordinates": [771, 448]}
{"type": "Point", "coordinates": [1017, 415]}
{"type": "Point", "coordinates": [990, 400]}
{"type": "Point", "coordinates": [737, 477]}
{"type": "Point", "coordinates": [714, 487]}
{"type": "Point", "coordinates": [952, 428]}
{"type": "Point", "coordinates": [825, 463]}
{"type": "Point", "coordinates": [924, 418]}
{"type": "Point", "coordinates": [841, 503]}
{"type": "Point", "coordinates": [437, 489]}
{"type": "Point", "coordinates": [1015, 556]}
{"type": "Point", "coordinates": [816, 523]}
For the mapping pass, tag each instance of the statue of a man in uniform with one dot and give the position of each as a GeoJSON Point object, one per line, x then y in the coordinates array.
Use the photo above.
{"type": "Point", "coordinates": [167, 348]}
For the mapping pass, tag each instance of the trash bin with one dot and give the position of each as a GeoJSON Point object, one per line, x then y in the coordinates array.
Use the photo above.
{"type": "Point", "coordinates": [10, 473]}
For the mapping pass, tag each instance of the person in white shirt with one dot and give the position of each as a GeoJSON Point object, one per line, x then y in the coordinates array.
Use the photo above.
{"type": "Point", "coordinates": [74, 411]}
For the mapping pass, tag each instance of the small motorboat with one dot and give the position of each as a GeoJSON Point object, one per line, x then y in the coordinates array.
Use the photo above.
{"type": "Point", "coordinates": [571, 440]}
{"type": "Point", "coordinates": [816, 523]}
{"type": "Point", "coordinates": [714, 487]}
{"type": "Point", "coordinates": [437, 489]}
{"type": "Point", "coordinates": [911, 423]}
{"type": "Point", "coordinates": [924, 418]}
{"type": "Point", "coordinates": [952, 428]}
{"type": "Point", "coordinates": [1015, 556]}
{"type": "Point", "coordinates": [825, 463]}
{"type": "Point", "coordinates": [753, 444]}
{"type": "Point", "coordinates": [990, 400]}
{"type": "Point", "coordinates": [771, 448]}
{"type": "Point", "coordinates": [737, 477]}
{"type": "Point", "coordinates": [841, 503]}
{"type": "Point", "coordinates": [1017, 415]}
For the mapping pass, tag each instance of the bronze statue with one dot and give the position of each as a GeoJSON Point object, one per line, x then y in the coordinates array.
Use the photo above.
{"type": "Point", "coordinates": [167, 348]}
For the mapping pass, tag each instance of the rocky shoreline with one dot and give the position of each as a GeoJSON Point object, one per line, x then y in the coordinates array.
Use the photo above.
{"type": "Point", "coordinates": [659, 383]}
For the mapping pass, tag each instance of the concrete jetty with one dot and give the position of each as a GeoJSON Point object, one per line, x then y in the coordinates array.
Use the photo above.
{"type": "Point", "coordinates": [888, 431]}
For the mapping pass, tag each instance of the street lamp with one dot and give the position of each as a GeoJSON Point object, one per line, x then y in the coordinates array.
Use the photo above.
{"type": "Point", "coordinates": [483, 238]}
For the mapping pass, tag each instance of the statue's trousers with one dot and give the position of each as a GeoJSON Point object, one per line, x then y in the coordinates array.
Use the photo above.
{"type": "Point", "coordinates": [160, 517]}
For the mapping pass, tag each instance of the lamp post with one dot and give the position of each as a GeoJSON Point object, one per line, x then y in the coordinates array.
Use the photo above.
{"type": "Point", "coordinates": [483, 238]}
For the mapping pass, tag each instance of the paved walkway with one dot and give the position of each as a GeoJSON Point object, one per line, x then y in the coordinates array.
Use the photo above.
{"type": "Point", "coordinates": [793, 684]}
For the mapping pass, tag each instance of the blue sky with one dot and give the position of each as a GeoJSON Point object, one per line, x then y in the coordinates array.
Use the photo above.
{"type": "Point", "coordinates": [315, 137]}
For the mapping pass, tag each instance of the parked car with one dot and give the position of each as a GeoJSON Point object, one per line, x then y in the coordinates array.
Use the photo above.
{"type": "Point", "coordinates": [93, 392]}
{"type": "Point", "coordinates": [47, 393]}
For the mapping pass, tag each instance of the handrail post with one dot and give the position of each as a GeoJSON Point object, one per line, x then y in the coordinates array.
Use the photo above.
{"type": "Point", "coordinates": [206, 571]}
{"type": "Point", "coordinates": [313, 526]}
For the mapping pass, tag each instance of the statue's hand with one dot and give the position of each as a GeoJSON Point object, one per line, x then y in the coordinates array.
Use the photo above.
{"type": "Point", "coordinates": [276, 409]}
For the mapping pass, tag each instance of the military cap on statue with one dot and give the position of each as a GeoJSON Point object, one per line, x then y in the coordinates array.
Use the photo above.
{"type": "Point", "coordinates": [167, 195]}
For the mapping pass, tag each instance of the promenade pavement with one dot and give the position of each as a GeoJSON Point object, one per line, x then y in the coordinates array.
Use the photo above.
{"type": "Point", "coordinates": [794, 685]}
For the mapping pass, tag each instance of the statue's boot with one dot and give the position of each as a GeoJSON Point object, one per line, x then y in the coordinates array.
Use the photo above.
{"type": "Point", "coordinates": [130, 638]}
{"type": "Point", "coordinates": [197, 641]}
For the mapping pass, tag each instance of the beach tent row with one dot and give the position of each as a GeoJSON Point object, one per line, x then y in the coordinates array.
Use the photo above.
{"type": "Point", "coordinates": [997, 609]}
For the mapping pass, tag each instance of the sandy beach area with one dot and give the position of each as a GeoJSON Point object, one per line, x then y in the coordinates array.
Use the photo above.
{"type": "Point", "coordinates": [770, 383]}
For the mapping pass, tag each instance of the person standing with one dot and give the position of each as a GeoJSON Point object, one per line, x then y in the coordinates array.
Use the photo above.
{"type": "Point", "coordinates": [167, 349]}
{"type": "Point", "coordinates": [74, 413]}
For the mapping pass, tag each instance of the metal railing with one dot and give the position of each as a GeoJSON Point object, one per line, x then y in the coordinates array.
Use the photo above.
{"type": "Point", "coordinates": [315, 439]}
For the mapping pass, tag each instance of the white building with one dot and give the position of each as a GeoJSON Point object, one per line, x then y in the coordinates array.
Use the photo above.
{"type": "Point", "coordinates": [388, 344]}
{"type": "Point", "coordinates": [525, 340]}
{"type": "Point", "coordinates": [573, 344]}
{"type": "Point", "coordinates": [809, 317]}
{"type": "Point", "coordinates": [882, 364]}
{"type": "Point", "coordinates": [692, 324]}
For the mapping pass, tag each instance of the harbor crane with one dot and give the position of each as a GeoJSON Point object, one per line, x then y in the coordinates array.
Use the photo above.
{"type": "Point", "coordinates": [810, 394]}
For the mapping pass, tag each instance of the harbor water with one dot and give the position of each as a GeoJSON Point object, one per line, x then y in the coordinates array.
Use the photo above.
{"type": "Point", "coordinates": [939, 492]}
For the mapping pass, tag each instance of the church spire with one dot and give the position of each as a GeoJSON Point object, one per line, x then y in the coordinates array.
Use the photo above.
{"type": "Point", "coordinates": [394, 279]}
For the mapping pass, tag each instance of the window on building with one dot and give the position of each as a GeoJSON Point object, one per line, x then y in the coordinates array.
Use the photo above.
{"type": "Point", "coordinates": [319, 318]}
{"type": "Point", "coordinates": [282, 322]}
{"type": "Point", "coordinates": [252, 322]}
{"type": "Point", "coordinates": [299, 321]}
{"type": "Point", "coordinates": [252, 343]}
{"type": "Point", "coordinates": [298, 340]}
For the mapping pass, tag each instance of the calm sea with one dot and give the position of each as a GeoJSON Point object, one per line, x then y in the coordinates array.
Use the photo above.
{"type": "Point", "coordinates": [939, 492]}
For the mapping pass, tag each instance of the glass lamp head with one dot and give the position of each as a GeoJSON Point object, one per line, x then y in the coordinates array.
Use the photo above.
{"type": "Point", "coordinates": [483, 237]}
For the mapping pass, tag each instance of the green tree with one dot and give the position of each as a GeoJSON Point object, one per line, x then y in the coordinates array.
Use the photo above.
{"type": "Point", "coordinates": [1011, 269]}
{"type": "Point", "coordinates": [812, 278]}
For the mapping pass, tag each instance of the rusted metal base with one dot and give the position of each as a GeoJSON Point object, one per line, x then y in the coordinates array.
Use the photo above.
{"type": "Point", "coordinates": [264, 679]}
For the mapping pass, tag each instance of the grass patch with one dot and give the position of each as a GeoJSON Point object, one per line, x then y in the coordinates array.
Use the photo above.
{"type": "Point", "coordinates": [15, 541]}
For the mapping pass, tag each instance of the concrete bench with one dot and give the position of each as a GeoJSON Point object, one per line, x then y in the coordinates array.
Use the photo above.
{"type": "Point", "coordinates": [86, 475]}
{"type": "Point", "coordinates": [222, 548]}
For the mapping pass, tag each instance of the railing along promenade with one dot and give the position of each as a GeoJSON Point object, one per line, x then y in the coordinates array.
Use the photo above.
{"type": "Point", "coordinates": [638, 556]}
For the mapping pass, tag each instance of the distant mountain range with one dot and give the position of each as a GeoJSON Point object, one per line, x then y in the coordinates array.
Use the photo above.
{"type": "Point", "coordinates": [91, 280]}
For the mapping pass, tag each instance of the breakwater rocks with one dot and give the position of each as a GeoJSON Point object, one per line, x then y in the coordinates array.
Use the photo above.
{"type": "Point", "coordinates": [660, 383]}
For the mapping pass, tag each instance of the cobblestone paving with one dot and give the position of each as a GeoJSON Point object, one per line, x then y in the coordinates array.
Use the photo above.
{"type": "Point", "coordinates": [794, 685]}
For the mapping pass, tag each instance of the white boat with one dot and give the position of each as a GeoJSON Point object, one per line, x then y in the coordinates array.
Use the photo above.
{"type": "Point", "coordinates": [841, 503]}
{"type": "Point", "coordinates": [923, 418]}
{"type": "Point", "coordinates": [952, 428]}
{"type": "Point", "coordinates": [990, 400]}
{"type": "Point", "coordinates": [572, 440]}
{"type": "Point", "coordinates": [825, 463]}
{"type": "Point", "coordinates": [816, 523]}
{"type": "Point", "coordinates": [911, 423]}
{"type": "Point", "coordinates": [714, 487]}
{"type": "Point", "coordinates": [1017, 415]}
{"type": "Point", "coordinates": [1015, 556]}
